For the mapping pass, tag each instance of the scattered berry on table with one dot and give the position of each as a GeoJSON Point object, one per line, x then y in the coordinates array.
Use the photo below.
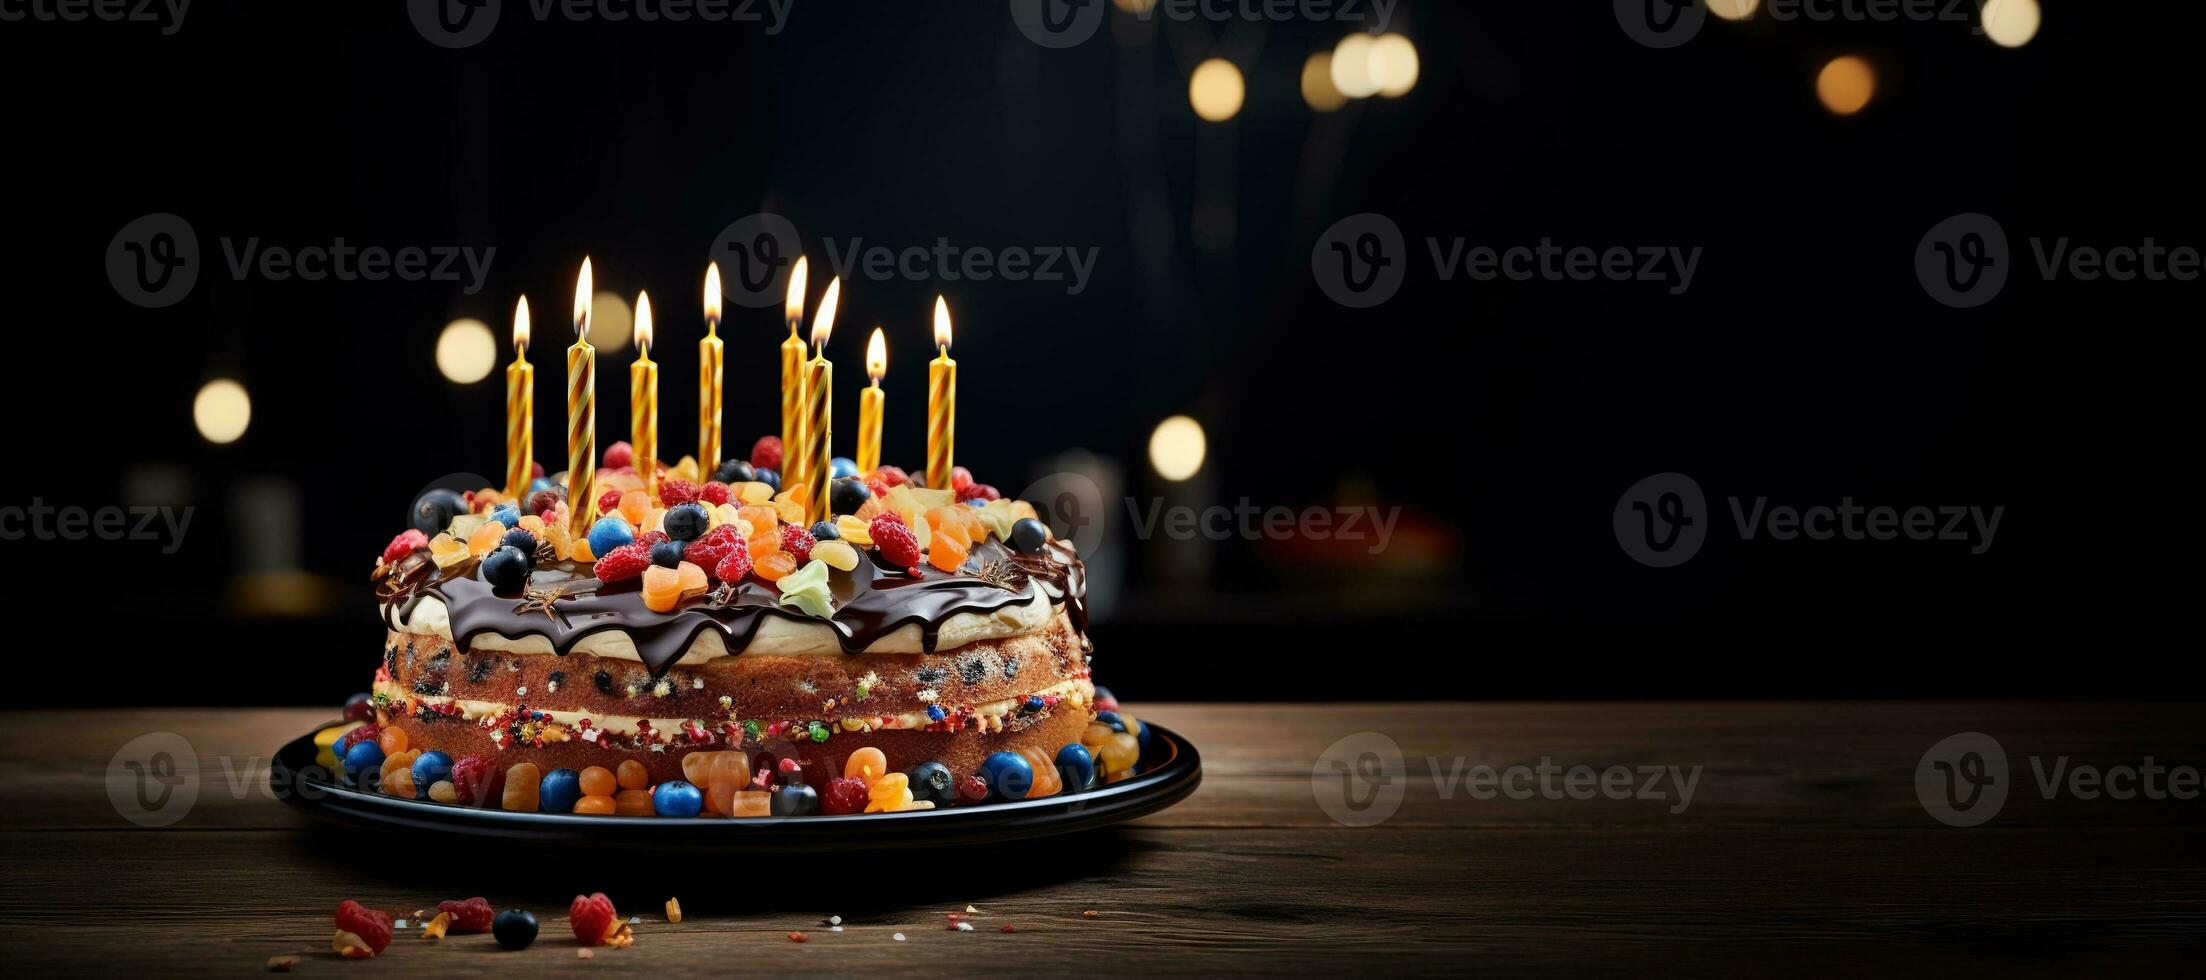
{"type": "Point", "coordinates": [361, 932]}
{"type": "Point", "coordinates": [593, 918]}
{"type": "Point", "coordinates": [514, 928]}
{"type": "Point", "coordinates": [468, 916]}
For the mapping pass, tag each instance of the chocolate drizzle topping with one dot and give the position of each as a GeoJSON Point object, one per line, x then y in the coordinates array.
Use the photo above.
{"type": "Point", "coordinates": [870, 603]}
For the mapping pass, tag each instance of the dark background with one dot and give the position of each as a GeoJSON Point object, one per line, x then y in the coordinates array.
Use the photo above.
{"type": "Point", "coordinates": [1805, 364]}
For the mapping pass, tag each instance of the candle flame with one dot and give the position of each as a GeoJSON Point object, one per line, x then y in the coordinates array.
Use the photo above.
{"type": "Point", "coordinates": [792, 309]}
{"type": "Point", "coordinates": [521, 325]}
{"type": "Point", "coordinates": [712, 295]}
{"type": "Point", "coordinates": [643, 326]}
{"type": "Point", "coordinates": [823, 321]}
{"type": "Point", "coordinates": [941, 322]}
{"type": "Point", "coordinates": [584, 287]}
{"type": "Point", "coordinates": [877, 355]}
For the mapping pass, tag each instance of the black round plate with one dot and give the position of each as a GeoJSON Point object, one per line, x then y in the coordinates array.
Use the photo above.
{"type": "Point", "coordinates": [1168, 772]}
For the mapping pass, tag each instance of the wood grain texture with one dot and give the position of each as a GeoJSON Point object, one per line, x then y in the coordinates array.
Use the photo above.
{"type": "Point", "coordinates": [1803, 848]}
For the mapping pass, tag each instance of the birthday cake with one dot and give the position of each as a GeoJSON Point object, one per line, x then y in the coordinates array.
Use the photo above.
{"type": "Point", "coordinates": [701, 647]}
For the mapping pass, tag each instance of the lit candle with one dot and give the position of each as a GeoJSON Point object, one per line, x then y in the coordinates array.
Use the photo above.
{"type": "Point", "coordinates": [869, 404]}
{"type": "Point", "coordinates": [819, 417]}
{"type": "Point", "coordinates": [581, 412]}
{"type": "Point", "coordinates": [792, 378]}
{"type": "Point", "coordinates": [710, 355]}
{"type": "Point", "coordinates": [520, 408]}
{"type": "Point", "coordinates": [941, 402]}
{"type": "Point", "coordinates": [643, 400]}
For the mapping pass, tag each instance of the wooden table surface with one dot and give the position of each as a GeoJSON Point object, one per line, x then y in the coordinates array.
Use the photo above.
{"type": "Point", "coordinates": [1803, 847]}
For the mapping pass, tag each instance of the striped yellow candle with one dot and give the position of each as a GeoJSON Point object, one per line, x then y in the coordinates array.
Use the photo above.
{"type": "Point", "coordinates": [869, 404]}
{"type": "Point", "coordinates": [520, 408]}
{"type": "Point", "coordinates": [643, 400]}
{"type": "Point", "coordinates": [581, 412]}
{"type": "Point", "coordinates": [941, 402]}
{"type": "Point", "coordinates": [792, 377]}
{"type": "Point", "coordinates": [711, 354]}
{"type": "Point", "coordinates": [819, 415]}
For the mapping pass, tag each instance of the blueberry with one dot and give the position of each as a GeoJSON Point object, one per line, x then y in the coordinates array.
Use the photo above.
{"type": "Point", "coordinates": [845, 496]}
{"type": "Point", "coordinates": [686, 522]}
{"type": "Point", "coordinates": [1077, 767]}
{"type": "Point", "coordinates": [841, 466]}
{"type": "Point", "coordinates": [667, 554]}
{"type": "Point", "coordinates": [559, 791]}
{"type": "Point", "coordinates": [826, 531]}
{"type": "Point", "coordinates": [360, 707]}
{"type": "Point", "coordinates": [1112, 719]}
{"type": "Point", "coordinates": [1029, 535]}
{"type": "Point", "coordinates": [736, 471]}
{"type": "Point", "coordinates": [514, 928]}
{"type": "Point", "coordinates": [1009, 775]}
{"type": "Point", "coordinates": [932, 781]}
{"type": "Point", "coordinates": [431, 768]}
{"type": "Point", "coordinates": [506, 514]}
{"type": "Point", "coordinates": [795, 800]}
{"type": "Point", "coordinates": [677, 798]}
{"type": "Point", "coordinates": [541, 484]}
{"type": "Point", "coordinates": [771, 478]}
{"type": "Point", "coordinates": [610, 531]}
{"type": "Point", "coordinates": [506, 568]}
{"type": "Point", "coordinates": [518, 538]}
{"type": "Point", "coordinates": [365, 757]}
{"type": "Point", "coordinates": [434, 510]}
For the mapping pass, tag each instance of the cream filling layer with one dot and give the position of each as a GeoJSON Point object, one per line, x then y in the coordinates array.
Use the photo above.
{"type": "Point", "coordinates": [776, 635]}
{"type": "Point", "coordinates": [1078, 692]}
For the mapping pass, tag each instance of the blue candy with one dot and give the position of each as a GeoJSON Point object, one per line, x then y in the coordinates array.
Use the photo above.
{"type": "Point", "coordinates": [507, 514]}
{"type": "Point", "coordinates": [841, 466]}
{"type": "Point", "coordinates": [1077, 767]}
{"type": "Point", "coordinates": [610, 531]}
{"type": "Point", "coordinates": [541, 484]}
{"type": "Point", "coordinates": [676, 798]}
{"type": "Point", "coordinates": [364, 756]}
{"type": "Point", "coordinates": [1112, 719]}
{"type": "Point", "coordinates": [1008, 774]}
{"type": "Point", "coordinates": [559, 791]}
{"type": "Point", "coordinates": [431, 768]}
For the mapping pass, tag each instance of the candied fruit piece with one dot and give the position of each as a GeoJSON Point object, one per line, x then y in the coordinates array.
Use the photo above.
{"type": "Point", "coordinates": [1120, 753]}
{"type": "Point", "coordinates": [522, 783]}
{"type": "Point", "coordinates": [443, 791]}
{"type": "Point", "coordinates": [399, 760]}
{"type": "Point", "coordinates": [751, 803]}
{"type": "Point", "coordinates": [855, 530]}
{"type": "Point", "coordinates": [732, 768]}
{"type": "Point", "coordinates": [947, 553]}
{"type": "Point", "coordinates": [889, 794]}
{"type": "Point", "coordinates": [633, 803]}
{"type": "Point", "coordinates": [632, 775]}
{"type": "Point", "coordinates": [753, 493]}
{"type": "Point", "coordinates": [790, 511]}
{"type": "Point", "coordinates": [393, 741]}
{"type": "Point", "coordinates": [838, 555]}
{"type": "Point", "coordinates": [399, 783]}
{"type": "Point", "coordinates": [598, 781]}
{"type": "Point", "coordinates": [773, 567]}
{"type": "Point", "coordinates": [720, 798]}
{"type": "Point", "coordinates": [765, 542]}
{"type": "Point", "coordinates": [485, 538]}
{"type": "Point", "coordinates": [634, 505]}
{"type": "Point", "coordinates": [594, 805]}
{"type": "Point", "coordinates": [662, 588]}
{"type": "Point", "coordinates": [760, 516]}
{"type": "Point", "coordinates": [696, 766]}
{"type": "Point", "coordinates": [866, 765]}
{"type": "Point", "coordinates": [691, 579]}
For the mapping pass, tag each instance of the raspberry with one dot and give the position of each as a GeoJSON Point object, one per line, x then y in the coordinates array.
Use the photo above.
{"type": "Point", "coordinates": [536, 469]}
{"type": "Point", "coordinates": [766, 453]}
{"type": "Point", "coordinates": [593, 919]}
{"type": "Point", "coordinates": [619, 454]}
{"type": "Point", "coordinates": [707, 552]}
{"type": "Point", "coordinates": [715, 493]}
{"type": "Point", "coordinates": [960, 478]}
{"type": "Point", "coordinates": [879, 487]}
{"type": "Point", "coordinates": [473, 915]}
{"type": "Point", "coordinates": [733, 567]}
{"type": "Point", "coordinates": [972, 789]}
{"type": "Point", "coordinates": [606, 503]}
{"type": "Point", "coordinates": [723, 533]}
{"type": "Point", "coordinates": [404, 545]}
{"type": "Point", "coordinates": [892, 475]}
{"type": "Point", "coordinates": [622, 563]}
{"type": "Point", "coordinates": [797, 541]}
{"type": "Point", "coordinates": [978, 491]}
{"type": "Point", "coordinates": [844, 795]}
{"type": "Point", "coordinates": [650, 538]}
{"type": "Point", "coordinates": [673, 492]}
{"type": "Point", "coordinates": [895, 540]}
{"type": "Point", "coordinates": [370, 926]}
{"type": "Point", "coordinates": [478, 780]}
{"type": "Point", "coordinates": [364, 733]}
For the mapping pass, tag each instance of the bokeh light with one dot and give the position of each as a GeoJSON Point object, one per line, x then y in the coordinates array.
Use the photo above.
{"type": "Point", "coordinates": [1177, 448]}
{"type": "Point", "coordinates": [466, 351]}
{"type": "Point", "coordinates": [1317, 84]}
{"type": "Point", "coordinates": [1733, 9]}
{"type": "Point", "coordinates": [1845, 85]}
{"type": "Point", "coordinates": [1216, 90]}
{"type": "Point", "coordinates": [1352, 67]}
{"type": "Point", "coordinates": [1393, 65]}
{"type": "Point", "coordinates": [610, 321]}
{"type": "Point", "coordinates": [2011, 23]}
{"type": "Point", "coordinates": [222, 411]}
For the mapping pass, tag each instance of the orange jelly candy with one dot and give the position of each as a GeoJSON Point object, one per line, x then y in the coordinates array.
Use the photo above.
{"type": "Point", "coordinates": [772, 567]}
{"type": "Point", "coordinates": [690, 578]}
{"type": "Point", "coordinates": [751, 803]}
{"type": "Point", "coordinates": [485, 538]}
{"type": "Point", "coordinates": [696, 765]}
{"type": "Point", "coordinates": [393, 741]}
{"type": "Point", "coordinates": [867, 764]}
{"type": "Point", "coordinates": [720, 798]}
{"type": "Point", "coordinates": [946, 553]}
{"type": "Point", "coordinates": [598, 781]}
{"type": "Point", "coordinates": [728, 769]}
{"type": "Point", "coordinates": [635, 505]}
{"type": "Point", "coordinates": [633, 803]}
{"type": "Point", "coordinates": [760, 516]}
{"type": "Point", "coordinates": [662, 588]}
{"type": "Point", "coordinates": [594, 806]}
{"type": "Point", "coordinates": [632, 775]}
{"type": "Point", "coordinates": [523, 781]}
